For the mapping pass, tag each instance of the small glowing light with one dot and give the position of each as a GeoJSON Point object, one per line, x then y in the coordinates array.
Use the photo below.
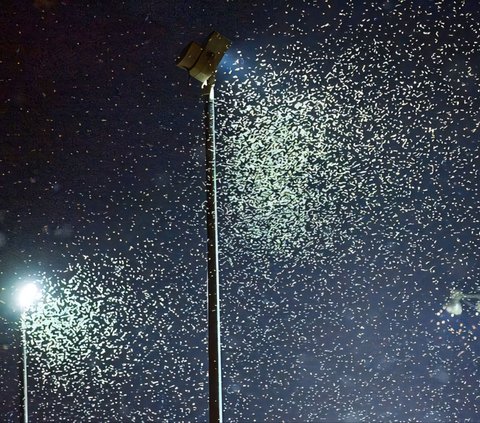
{"type": "Point", "coordinates": [28, 295]}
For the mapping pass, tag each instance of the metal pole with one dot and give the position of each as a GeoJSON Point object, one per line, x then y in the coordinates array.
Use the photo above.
{"type": "Point", "coordinates": [213, 285]}
{"type": "Point", "coordinates": [25, 374]}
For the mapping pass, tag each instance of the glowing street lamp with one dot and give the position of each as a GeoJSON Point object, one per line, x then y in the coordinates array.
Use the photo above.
{"type": "Point", "coordinates": [28, 295]}
{"type": "Point", "coordinates": [454, 304]}
{"type": "Point", "coordinates": [201, 62]}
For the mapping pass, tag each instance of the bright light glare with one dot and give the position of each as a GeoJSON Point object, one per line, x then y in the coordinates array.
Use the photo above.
{"type": "Point", "coordinates": [28, 295]}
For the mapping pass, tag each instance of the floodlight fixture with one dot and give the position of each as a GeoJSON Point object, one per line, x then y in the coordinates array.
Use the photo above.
{"type": "Point", "coordinates": [454, 307]}
{"type": "Point", "coordinates": [28, 295]}
{"type": "Point", "coordinates": [201, 62]}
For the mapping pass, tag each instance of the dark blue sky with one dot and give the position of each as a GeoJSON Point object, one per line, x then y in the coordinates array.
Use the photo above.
{"type": "Point", "coordinates": [348, 203]}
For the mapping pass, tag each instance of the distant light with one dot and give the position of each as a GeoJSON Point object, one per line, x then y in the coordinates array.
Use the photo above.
{"type": "Point", "coordinates": [454, 307]}
{"type": "Point", "coordinates": [28, 295]}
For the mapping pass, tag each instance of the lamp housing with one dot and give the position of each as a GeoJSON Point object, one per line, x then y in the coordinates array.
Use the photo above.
{"type": "Point", "coordinates": [28, 295]}
{"type": "Point", "coordinates": [454, 307]}
{"type": "Point", "coordinates": [201, 62]}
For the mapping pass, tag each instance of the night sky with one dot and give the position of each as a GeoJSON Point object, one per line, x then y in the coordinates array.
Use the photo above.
{"type": "Point", "coordinates": [348, 170]}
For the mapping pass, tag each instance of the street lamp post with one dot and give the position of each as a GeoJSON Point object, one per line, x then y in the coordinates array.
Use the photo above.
{"type": "Point", "coordinates": [28, 295]}
{"type": "Point", "coordinates": [454, 304]}
{"type": "Point", "coordinates": [201, 62]}
{"type": "Point", "coordinates": [24, 367]}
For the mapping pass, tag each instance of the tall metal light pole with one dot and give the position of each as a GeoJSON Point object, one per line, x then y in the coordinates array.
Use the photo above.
{"type": "Point", "coordinates": [201, 62]}
{"type": "Point", "coordinates": [24, 367]}
{"type": "Point", "coordinates": [28, 295]}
